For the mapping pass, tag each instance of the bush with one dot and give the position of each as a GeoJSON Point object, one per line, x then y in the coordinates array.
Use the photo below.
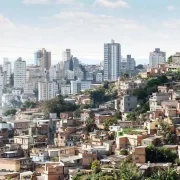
{"type": "Point", "coordinates": [124, 152]}
{"type": "Point", "coordinates": [10, 112]}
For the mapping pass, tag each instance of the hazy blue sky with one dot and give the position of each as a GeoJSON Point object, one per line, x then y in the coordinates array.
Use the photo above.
{"type": "Point", "coordinates": [85, 25]}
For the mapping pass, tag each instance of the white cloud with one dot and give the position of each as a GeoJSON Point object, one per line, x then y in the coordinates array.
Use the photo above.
{"type": "Point", "coordinates": [48, 1]}
{"type": "Point", "coordinates": [36, 1]}
{"type": "Point", "coordinates": [172, 24]}
{"type": "Point", "coordinates": [171, 8]}
{"type": "Point", "coordinates": [112, 4]}
{"type": "Point", "coordinates": [88, 20]}
{"type": "Point", "coordinates": [5, 23]}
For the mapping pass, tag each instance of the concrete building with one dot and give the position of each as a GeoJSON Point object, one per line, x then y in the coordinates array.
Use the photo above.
{"type": "Point", "coordinates": [130, 66]}
{"type": "Point", "coordinates": [43, 59]}
{"type": "Point", "coordinates": [16, 91]}
{"type": "Point", "coordinates": [6, 100]}
{"type": "Point", "coordinates": [156, 57]}
{"type": "Point", "coordinates": [78, 85]}
{"type": "Point", "coordinates": [66, 89]}
{"type": "Point", "coordinates": [99, 77]}
{"type": "Point", "coordinates": [156, 99]}
{"type": "Point", "coordinates": [29, 88]}
{"type": "Point", "coordinates": [7, 69]}
{"type": "Point", "coordinates": [176, 58]}
{"type": "Point", "coordinates": [128, 103]}
{"type": "Point", "coordinates": [69, 75]}
{"type": "Point", "coordinates": [66, 55]}
{"type": "Point", "coordinates": [19, 73]}
{"type": "Point", "coordinates": [46, 90]}
{"type": "Point", "coordinates": [78, 73]}
{"type": "Point", "coordinates": [52, 73]}
{"type": "Point", "coordinates": [112, 61]}
{"type": "Point", "coordinates": [1, 81]}
{"type": "Point", "coordinates": [34, 72]}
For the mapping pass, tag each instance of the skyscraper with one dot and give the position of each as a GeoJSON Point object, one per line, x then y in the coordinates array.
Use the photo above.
{"type": "Point", "coordinates": [156, 57]}
{"type": "Point", "coordinates": [43, 59]}
{"type": "Point", "coordinates": [66, 55]}
{"type": "Point", "coordinates": [19, 73]}
{"type": "Point", "coordinates": [7, 69]}
{"type": "Point", "coordinates": [112, 61]}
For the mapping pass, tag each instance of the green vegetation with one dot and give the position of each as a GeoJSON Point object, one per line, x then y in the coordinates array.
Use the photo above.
{"type": "Point", "coordinates": [127, 171]}
{"type": "Point", "coordinates": [169, 60]}
{"type": "Point", "coordinates": [57, 105]}
{"type": "Point", "coordinates": [165, 131]}
{"type": "Point", "coordinates": [29, 104]}
{"type": "Point", "coordinates": [124, 152]}
{"type": "Point", "coordinates": [143, 94]}
{"type": "Point", "coordinates": [90, 124]}
{"type": "Point", "coordinates": [139, 66]}
{"type": "Point", "coordinates": [161, 154]}
{"type": "Point", "coordinates": [10, 112]}
{"type": "Point", "coordinates": [96, 166]}
{"type": "Point", "coordinates": [103, 94]}
{"type": "Point", "coordinates": [109, 122]}
{"type": "Point", "coordinates": [168, 174]}
{"type": "Point", "coordinates": [128, 130]}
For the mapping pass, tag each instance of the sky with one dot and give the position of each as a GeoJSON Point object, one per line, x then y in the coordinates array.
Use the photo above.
{"type": "Point", "coordinates": [84, 26]}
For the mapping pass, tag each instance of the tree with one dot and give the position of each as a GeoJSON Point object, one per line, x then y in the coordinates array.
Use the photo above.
{"type": "Point", "coordinates": [109, 122]}
{"type": "Point", "coordinates": [29, 104]}
{"type": "Point", "coordinates": [77, 113]}
{"type": "Point", "coordinates": [165, 174]}
{"type": "Point", "coordinates": [169, 60]}
{"type": "Point", "coordinates": [161, 154]}
{"type": "Point", "coordinates": [97, 96]}
{"type": "Point", "coordinates": [128, 171]}
{"type": "Point", "coordinates": [165, 131]}
{"type": "Point", "coordinates": [90, 124]}
{"type": "Point", "coordinates": [10, 112]}
{"type": "Point", "coordinates": [139, 66]}
{"type": "Point", "coordinates": [106, 85]}
{"type": "Point", "coordinates": [96, 166]}
{"type": "Point", "coordinates": [124, 152]}
{"type": "Point", "coordinates": [57, 105]}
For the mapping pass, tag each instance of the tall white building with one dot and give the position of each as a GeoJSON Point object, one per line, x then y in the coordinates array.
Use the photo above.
{"type": "Point", "coordinates": [66, 55]}
{"type": "Point", "coordinates": [7, 69]}
{"type": "Point", "coordinates": [157, 57]}
{"type": "Point", "coordinates": [128, 65]}
{"type": "Point", "coordinates": [19, 73]}
{"type": "Point", "coordinates": [45, 90]}
{"type": "Point", "coordinates": [1, 82]}
{"type": "Point", "coordinates": [131, 63]}
{"type": "Point", "coordinates": [112, 61]}
{"type": "Point", "coordinates": [43, 59]}
{"type": "Point", "coordinates": [52, 73]}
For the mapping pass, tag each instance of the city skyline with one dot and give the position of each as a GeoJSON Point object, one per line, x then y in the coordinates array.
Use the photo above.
{"type": "Point", "coordinates": [138, 27]}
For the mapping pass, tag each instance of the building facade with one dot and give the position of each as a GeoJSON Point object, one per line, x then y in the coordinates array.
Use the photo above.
{"type": "Point", "coordinates": [112, 61]}
{"type": "Point", "coordinates": [46, 90]}
{"type": "Point", "coordinates": [43, 59]}
{"type": "Point", "coordinates": [19, 73]}
{"type": "Point", "coordinates": [7, 69]}
{"type": "Point", "coordinates": [156, 57]}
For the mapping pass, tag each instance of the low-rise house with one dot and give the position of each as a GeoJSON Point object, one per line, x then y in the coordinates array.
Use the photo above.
{"type": "Point", "coordinates": [156, 99]}
{"type": "Point", "coordinates": [140, 154]}
{"type": "Point", "coordinates": [130, 141]}
{"type": "Point", "coordinates": [16, 165]}
{"type": "Point", "coordinates": [128, 103]}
